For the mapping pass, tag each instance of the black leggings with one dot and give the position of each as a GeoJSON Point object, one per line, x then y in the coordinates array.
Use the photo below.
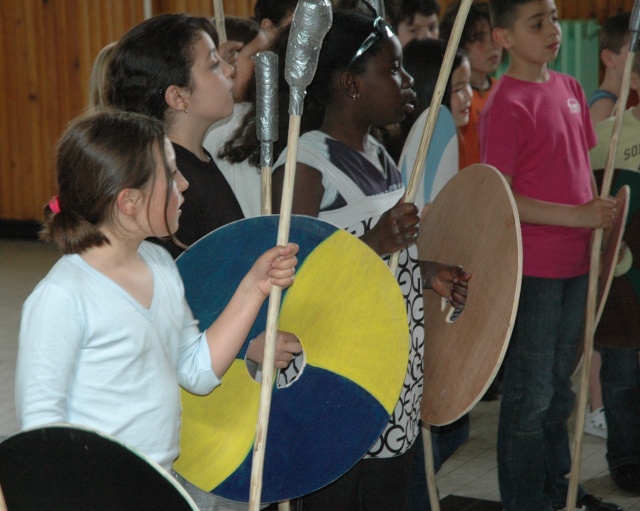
{"type": "Point", "coordinates": [371, 485]}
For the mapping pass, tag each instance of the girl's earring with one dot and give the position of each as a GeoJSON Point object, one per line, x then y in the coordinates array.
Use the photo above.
{"type": "Point", "coordinates": [355, 96]}
{"type": "Point", "coordinates": [185, 110]}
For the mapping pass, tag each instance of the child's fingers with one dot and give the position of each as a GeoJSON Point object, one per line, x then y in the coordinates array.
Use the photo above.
{"type": "Point", "coordinates": [283, 277]}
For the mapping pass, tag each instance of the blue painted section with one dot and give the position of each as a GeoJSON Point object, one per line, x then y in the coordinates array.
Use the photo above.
{"type": "Point", "coordinates": [435, 162]}
{"type": "Point", "coordinates": [212, 268]}
{"type": "Point", "coordinates": [301, 450]}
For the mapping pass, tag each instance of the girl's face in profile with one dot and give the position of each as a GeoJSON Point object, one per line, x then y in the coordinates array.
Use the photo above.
{"type": "Point", "coordinates": [212, 93]}
{"type": "Point", "coordinates": [159, 192]}
{"type": "Point", "coordinates": [461, 93]}
{"type": "Point", "coordinates": [386, 92]}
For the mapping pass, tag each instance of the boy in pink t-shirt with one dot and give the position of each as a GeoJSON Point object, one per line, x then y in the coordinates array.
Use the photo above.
{"type": "Point", "coordinates": [536, 130]}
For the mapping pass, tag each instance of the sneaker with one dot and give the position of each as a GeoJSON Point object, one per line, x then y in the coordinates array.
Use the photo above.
{"type": "Point", "coordinates": [591, 503]}
{"type": "Point", "coordinates": [595, 423]}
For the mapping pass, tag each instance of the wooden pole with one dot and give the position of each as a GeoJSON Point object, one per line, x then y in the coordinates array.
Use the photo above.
{"type": "Point", "coordinates": [218, 13]}
{"type": "Point", "coordinates": [432, 116]}
{"type": "Point", "coordinates": [3, 504]}
{"type": "Point", "coordinates": [147, 9]}
{"type": "Point", "coordinates": [594, 272]}
{"type": "Point", "coordinates": [272, 319]}
{"type": "Point", "coordinates": [311, 21]}
{"type": "Point", "coordinates": [412, 186]}
{"type": "Point", "coordinates": [265, 180]}
{"type": "Point", "coordinates": [432, 487]}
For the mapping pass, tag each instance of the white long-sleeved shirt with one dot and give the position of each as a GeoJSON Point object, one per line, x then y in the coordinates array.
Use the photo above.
{"type": "Point", "coordinates": [90, 354]}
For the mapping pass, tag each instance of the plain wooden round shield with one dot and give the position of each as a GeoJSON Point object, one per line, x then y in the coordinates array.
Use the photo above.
{"type": "Point", "coordinates": [65, 466]}
{"type": "Point", "coordinates": [473, 222]}
{"type": "Point", "coordinates": [609, 257]}
{"type": "Point", "coordinates": [608, 261]}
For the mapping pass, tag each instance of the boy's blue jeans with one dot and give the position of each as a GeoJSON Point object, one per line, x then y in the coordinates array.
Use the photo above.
{"type": "Point", "coordinates": [620, 379]}
{"type": "Point", "coordinates": [533, 442]}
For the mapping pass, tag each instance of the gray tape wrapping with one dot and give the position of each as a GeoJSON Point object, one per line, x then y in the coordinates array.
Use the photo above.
{"type": "Point", "coordinates": [378, 5]}
{"type": "Point", "coordinates": [266, 104]}
{"type": "Point", "coordinates": [311, 22]}
{"type": "Point", "coordinates": [634, 26]}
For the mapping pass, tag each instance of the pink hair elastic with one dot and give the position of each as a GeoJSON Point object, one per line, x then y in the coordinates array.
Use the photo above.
{"type": "Point", "coordinates": [54, 205]}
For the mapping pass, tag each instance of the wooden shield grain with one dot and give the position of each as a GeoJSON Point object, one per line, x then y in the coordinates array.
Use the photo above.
{"type": "Point", "coordinates": [473, 222]}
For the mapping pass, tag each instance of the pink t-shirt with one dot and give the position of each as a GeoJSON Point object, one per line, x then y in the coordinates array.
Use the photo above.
{"type": "Point", "coordinates": [540, 135]}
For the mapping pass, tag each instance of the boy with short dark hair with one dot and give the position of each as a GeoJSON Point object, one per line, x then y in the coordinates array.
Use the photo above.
{"type": "Point", "coordinates": [413, 19]}
{"type": "Point", "coordinates": [614, 48]}
{"type": "Point", "coordinates": [536, 130]}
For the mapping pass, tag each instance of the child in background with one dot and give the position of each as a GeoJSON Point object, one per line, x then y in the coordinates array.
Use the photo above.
{"type": "Point", "coordinates": [99, 79]}
{"type": "Point", "coordinates": [423, 60]}
{"type": "Point", "coordinates": [617, 334]}
{"type": "Point", "coordinates": [344, 176]}
{"type": "Point", "coordinates": [243, 178]}
{"type": "Point", "coordinates": [484, 56]}
{"type": "Point", "coordinates": [107, 338]}
{"type": "Point", "coordinates": [536, 130]}
{"type": "Point", "coordinates": [274, 15]}
{"type": "Point", "coordinates": [413, 19]}
{"type": "Point", "coordinates": [614, 48]}
{"type": "Point", "coordinates": [248, 32]}
{"type": "Point", "coordinates": [628, 154]}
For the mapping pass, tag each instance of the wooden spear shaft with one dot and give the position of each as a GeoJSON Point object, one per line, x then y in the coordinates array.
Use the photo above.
{"type": "Point", "coordinates": [311, 21]}
{"type": "Point", "coordinates": [272, 320]}
{"type": "Point", "coordinates": [218, 13]}
{"type": "Point", "coordinates": [412, 186]}
{"type": "Point", "coordinates": [3, 504]}
{"type": "Point", "coordinates": [265, 183]}
{"type": "Point", "coordinates": [432, 116]}
{"type": "Point", "coordinates": [594, 272]}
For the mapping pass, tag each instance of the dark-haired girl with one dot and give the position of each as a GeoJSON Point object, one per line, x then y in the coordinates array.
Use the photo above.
{"type": "Point", "coordinates": [167, 67]}
{"type": "Point", "coordinates": [107, 337]}
{"type": "Point", "coordinates": [345, 176]}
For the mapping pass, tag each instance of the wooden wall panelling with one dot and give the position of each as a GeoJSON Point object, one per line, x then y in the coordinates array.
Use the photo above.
{"type": "Point", "coordinates": [47, 49]}
{"type": "Point", "coordinates": [203, 7]}
{"type": "Point", "coordinates": [579, 9]}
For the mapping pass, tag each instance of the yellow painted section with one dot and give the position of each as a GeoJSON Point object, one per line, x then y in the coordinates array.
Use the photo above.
{"type": "Point", "coordinates": [218, 430]}
{"type": "Point", "coordinates": [348, 311]}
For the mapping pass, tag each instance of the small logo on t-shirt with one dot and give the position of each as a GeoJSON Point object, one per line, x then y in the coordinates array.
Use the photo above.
{"type": "Point", "coordinates": [574, 106]}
